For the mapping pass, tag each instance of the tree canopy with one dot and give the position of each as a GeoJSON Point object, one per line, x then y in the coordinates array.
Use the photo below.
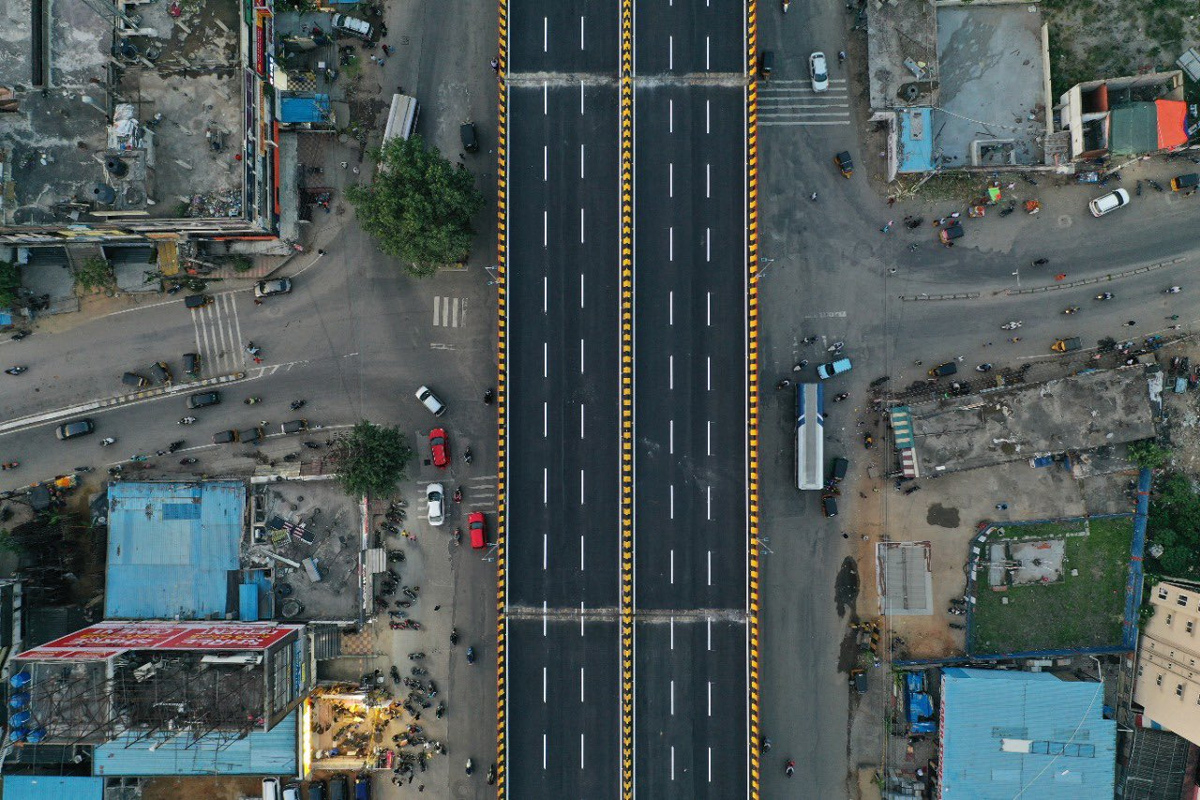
{"type": "Point", "coordinates": [1174, 524]}
{"type": "Point", "coordinates": [371, 460]}
{"type": "Point", "coordinates": [10, 282]}
{"type": "Point", "coordinates": [418, 206]}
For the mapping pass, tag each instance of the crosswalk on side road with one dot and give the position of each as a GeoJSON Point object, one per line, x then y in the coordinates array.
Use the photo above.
{"type": "Point", "coordinates": [449, 312]}
{"type": "Point", "coordinates": [795, 103]}
{"type": "Point", "coordinates": [219, 336]}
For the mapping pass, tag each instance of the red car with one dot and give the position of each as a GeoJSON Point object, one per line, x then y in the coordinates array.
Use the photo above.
{"type": "Point", "coordinates": [439, 443]}
{"type": "Point", "coordinates": [477, 525]}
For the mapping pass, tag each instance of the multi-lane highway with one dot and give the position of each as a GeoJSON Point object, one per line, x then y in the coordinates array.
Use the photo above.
{"type": "Point", "coordinates": [626, 246]}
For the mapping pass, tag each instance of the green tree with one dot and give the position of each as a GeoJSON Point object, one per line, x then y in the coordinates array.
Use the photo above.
{"type": "Point", "coordinates": [95, 273]}
{"type": "Point", "coordinates": [371, 460]}
{"type": "Point", "coordinates": [1148, 453]}
{"type": "Point", "coordinates": [418, 206]}
{"type": "Point", "coordinates": [10, 282]}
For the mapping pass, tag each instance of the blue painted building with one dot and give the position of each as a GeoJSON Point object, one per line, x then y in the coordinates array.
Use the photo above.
{"type": "Point", "coordinates": [1007, 734]}
{"type": "Point", "coordinates": [173, 549]}
{"type": "Point", "coordinates": [57, 787]}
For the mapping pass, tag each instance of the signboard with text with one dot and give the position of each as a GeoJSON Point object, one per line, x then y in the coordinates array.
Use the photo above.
{"type": "Point", "coordinates": [106, 639]}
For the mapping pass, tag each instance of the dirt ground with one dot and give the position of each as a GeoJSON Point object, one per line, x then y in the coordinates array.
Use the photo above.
{"type": "Point", "coordinates": [219, 787]}
{"type": "Point", "coordinates": [1183, 412]}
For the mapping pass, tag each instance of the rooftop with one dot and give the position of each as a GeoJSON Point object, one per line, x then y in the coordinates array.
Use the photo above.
{"type": "Point", "coordinates": [1007, 733]}
{"type": "Point", "coordinates": [89, 143]}
{"type": "Point", "coordinates": [172, 549]}
{"type": "Point", "coordinates": [1080, 412]}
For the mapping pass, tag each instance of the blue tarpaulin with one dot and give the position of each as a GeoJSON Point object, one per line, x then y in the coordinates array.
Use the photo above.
{"type": "Point", "coordinates": [295, 110]}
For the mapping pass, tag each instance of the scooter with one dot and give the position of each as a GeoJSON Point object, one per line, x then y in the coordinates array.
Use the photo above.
{"type": "Point", "coordinates": [173, 446]}
{"type": "Point", "coordinates": [789, 768]}
{"type": "Point", "coordinates": [836, 347]}
{"type": "Point", "coordinates": [1071, 310]}
{"type": "Point", "coordinates": [984, 368]}
{"type": "Point", "coordinates": [839, 398]}
{"type": "Point", "coordinates": [470, 766]}
{"type": "Point", "coordinates": [188, 460]}
{"type": "Point", "coordinates": [298, 404]}
{"type": "Point", "coordinates": [1172, 290]}
{"type": "Point", "coordinates": [470, 655]}
{"type": "Point", "coordinates": [252, 400]}
{"type": "Point", "coordinates": [491, 774]}
{"type": "Point", "coordinates": [415, 656]}
{"type": "Point", "coordinates": [467, 455]}
{"type": "Point", "coordinates": [107, 442]}
{"type": "Point", "coordinates": [1105, 296]}
{"type": "Point", "coordinates": [1011, 326]}
{"type": "Point", "coordinates": [453, 636]}
{"type": "Point", "coordinates": [489, 396]}
{"type": "Point", "coordinates": [16, 370]}
{"type": "Point", "coordinates": [458, 495]}
{"type": "Point", "coordinates": [187, 420]}
{"type": "Point", "coordinates": [10, 465]}
{"type": "Point", "coordinates": [786, 3]}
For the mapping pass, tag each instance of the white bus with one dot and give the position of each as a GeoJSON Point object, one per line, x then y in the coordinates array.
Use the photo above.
{"type": "Point", "coordinates": [810, 436]}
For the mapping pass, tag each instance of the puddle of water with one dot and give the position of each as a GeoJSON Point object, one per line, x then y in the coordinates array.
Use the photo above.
{"type": "Point", "coordinates": [941, 516]}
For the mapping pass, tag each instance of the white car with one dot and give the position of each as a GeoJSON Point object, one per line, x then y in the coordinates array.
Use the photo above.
{"type": "Point", "coordinates": [268, 288]}
{"type": "Point", "coordinates": [352, 25]}
{"type": "Point", "coordinates": [819, 71]}
{"type": "Point", "coordinates": [435, 493]}
{"type": "Point", "coordinates": [1109, 202]}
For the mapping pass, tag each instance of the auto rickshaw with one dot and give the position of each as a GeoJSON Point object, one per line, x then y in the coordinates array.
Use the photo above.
{"type": "Point", "coordinates": [844, 163]}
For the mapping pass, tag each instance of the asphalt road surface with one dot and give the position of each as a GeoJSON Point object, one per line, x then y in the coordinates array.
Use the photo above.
{"type": "Point", "coordinates": [564, 530]}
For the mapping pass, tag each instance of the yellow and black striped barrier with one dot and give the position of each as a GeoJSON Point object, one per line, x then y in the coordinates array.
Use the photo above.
{"type": "Point", "coordinates": [752, 485]}
{"type": "Point", "coordinates": [501, 399]}
{"type": "Point", "coordinates": [627, 643]}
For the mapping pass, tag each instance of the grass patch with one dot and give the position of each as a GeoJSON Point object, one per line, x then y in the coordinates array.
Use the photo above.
{"type": "Point", "coordinates": [1045, 530]}
{"type": "Point", "coordinates": [1081, 611]}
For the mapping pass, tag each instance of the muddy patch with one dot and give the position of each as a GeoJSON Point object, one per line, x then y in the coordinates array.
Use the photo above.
{"type": "Point", "coordinates": [845, 588]}
{"type": "Point", "coordinates": [941, 516]}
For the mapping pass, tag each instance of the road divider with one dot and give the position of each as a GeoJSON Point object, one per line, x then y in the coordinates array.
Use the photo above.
{"type": "Point", "coordinates": [1113, 276]}
{"type": "Point", "coordinates": [753, 575]}
{"type": "Point", "coordinates": [502, 403]}
{"type": "Point", "coordinates": [953, 296]}
{"type": "Point", "coordinates": [120, 400]}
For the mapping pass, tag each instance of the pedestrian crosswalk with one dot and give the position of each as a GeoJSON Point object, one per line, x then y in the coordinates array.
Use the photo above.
{"type": "Point", "coordinates": [795, 103]}
{"type": "Point", "coordinates": [219, 336]}
{"type": "Point", "coordinates": [449, 312]}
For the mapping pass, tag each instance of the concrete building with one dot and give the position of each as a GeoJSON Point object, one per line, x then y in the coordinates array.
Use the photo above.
{"type": "Point", "coordinates": [1167, 684]}
{"type": "Point", "coordinates": [1124, 116]}
{"type": "Point", "coordinates": [1007, 734]}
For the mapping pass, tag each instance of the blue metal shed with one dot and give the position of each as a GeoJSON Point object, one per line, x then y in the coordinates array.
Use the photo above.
{"type": "Point", "coordinates": [171, 549]}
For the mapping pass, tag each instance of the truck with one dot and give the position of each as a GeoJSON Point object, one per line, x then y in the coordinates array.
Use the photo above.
{"type": "Point", "coordinates": [810, 436]}
{"type": "Point", "coordinates": [1067, 345]}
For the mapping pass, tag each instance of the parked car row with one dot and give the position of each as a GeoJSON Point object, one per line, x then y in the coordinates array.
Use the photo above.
{"type": "Point", "coordinates": [336, 788]}
{"type": "Point", "coordinates": [160, 372]}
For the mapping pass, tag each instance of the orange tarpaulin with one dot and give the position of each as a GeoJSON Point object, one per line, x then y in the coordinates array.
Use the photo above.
{"type": "Point", "coordinates": [1172, 123]}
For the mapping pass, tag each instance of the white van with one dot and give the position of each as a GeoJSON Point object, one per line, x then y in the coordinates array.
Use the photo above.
{"type": "Point", "coordinates": [402, 118]}
{"type": "Point", "coordinates": [270, 789]}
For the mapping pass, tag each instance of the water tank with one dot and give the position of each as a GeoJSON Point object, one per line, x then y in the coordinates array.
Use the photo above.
{"type": "Point", "coordinates": [116, 166]}
{"type": "Point", "coordinates": [19, 700]}
{"type": "Point", "coordinates": [19, 719]}
{"type": "Point", "coordinates": [20, 679]}
{"type": "Point", "coordinates": [101, 193]}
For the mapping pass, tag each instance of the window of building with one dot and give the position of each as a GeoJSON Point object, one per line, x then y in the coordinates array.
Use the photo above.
{"type": "Point", "coordinates": [1181, 600]}
{"type": "Point", "coordinates": [1162, 593]}
{"type": "Point", "coordinates": [1169, 618]}
{"type": "Point", "coordinates": [1139, 670]}
{"type": "Point", "coordinates": [1191, 625]}
{"type": "Point", "coordinates": [1158, 681]}
{"type": "Point", "coordinates": [1179, 690]}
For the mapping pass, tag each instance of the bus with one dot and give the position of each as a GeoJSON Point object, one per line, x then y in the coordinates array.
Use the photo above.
{"type": "Point", "coordinates": [810, 436]}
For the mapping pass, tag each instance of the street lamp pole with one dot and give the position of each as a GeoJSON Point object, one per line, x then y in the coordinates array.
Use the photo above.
{"type": "Point", "coordinates": [763, 263]}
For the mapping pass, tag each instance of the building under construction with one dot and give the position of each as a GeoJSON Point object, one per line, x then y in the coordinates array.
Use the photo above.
{"type": "Point", "coordinates": [194, 689]}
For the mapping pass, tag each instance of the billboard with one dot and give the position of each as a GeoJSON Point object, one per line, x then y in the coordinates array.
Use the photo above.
{"type": "Point", "coordinates": [107, 639]}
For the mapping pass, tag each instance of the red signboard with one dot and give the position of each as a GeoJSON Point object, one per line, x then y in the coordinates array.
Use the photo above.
{"type": "Point", "coordinates": [107, 639]}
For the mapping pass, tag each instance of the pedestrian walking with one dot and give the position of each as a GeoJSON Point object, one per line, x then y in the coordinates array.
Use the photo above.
{"type": "Point", "coordinates": [382, 61]}
{"type": "Point", "coordinates": [496, 65]}
{"type": "Point", "coordinates": [886, 228]}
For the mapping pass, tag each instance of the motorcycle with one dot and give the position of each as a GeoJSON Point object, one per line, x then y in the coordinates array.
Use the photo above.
{"type": "Point", "coordinates": [489, 396]}
{"type": "Point", "coordinates": [839, 398]}
{"type": "Point", "coordinates": [868, 441]}
{"type": "Point", "coordinates": [764, 744]}
{"type": "Point", "coordinates": [836, 347]}
{"type": "Point", "coordinates": [789, 768]}
{"type": "Point", "coordinates": [1008, 209]}
{"type": "Point", "coordinates": [15, 370]}
{"type": "Point", "coordinates": [10, 465]}
{"type": "Point", "coordinates": [453, 636]}
{"type": "Point", "coordinates": [783, 383]}
{"type": "Point", "coordinates": [470, 655]}
{"type": "Point", "coordinates": [491, 775]}
{"type": "Point", "coordinates": [441, 710]}
{"type": "Point", "coordinates": [415, 656]}
{"type": "Point", "coordinates": [984, 368]}
{"type": "Point", "coordinates": [470, 766]}
{"type": "Point", "coordinates": [1155, 185]}
{"type": "Point", "coordinates": [107, 442]}
{"type": "Point", "coordinates": [395, 675]}
{"type": "Point", "coordinates": [1105, 296]}
{"type": "Point", "coordinates": [1172, 290]}
{"type": "Point", "coordinates": [458, 495]}
{"type": "Point", "coordinates": [1071, 310]}
{"type": "Point", "coordinates": [1038, 262]}
{"type": "Point", "coordinates": [956, 611]}
{"type": "Point", "coordinates": [252, 400]}
{"type": "Point", "coordinates": [187, 420]}
{"type": "Point", "coordinates": [467, 455]}
{"type": "Point", "coordinates": [418, 671]}
{"type": "Point", "coordinates": [83, 469]}
{"type": "Point", "coordinates": [188, 460]}
{"type": "Point", "coordinates": [16, 337]}
{"type": "Point", "coordinates": [298, 404]}
{"type": "Point", "coordinates": [173, 446]}
{"type": "Point", "coordinates": [1011, 326]}
{"type": "Point", "coordinates": [786, 3]}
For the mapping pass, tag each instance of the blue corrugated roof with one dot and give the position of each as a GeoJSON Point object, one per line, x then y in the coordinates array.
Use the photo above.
{"type": "Point", "coordinates": [39, 787]}
{"type": "Point", "coordinates": [1006, 733]}
{"type": "Point", "coordinates": [273, 752]}
{"type": "Point", "coordinates": [171, 547]}
{"type": "Point", "coordinates": [914, 144]}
